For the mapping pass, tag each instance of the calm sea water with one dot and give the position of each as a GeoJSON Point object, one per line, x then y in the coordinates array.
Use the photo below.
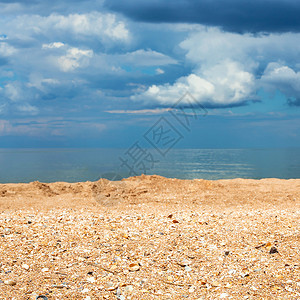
{"type": "Point", "coordinates": [71, 165]}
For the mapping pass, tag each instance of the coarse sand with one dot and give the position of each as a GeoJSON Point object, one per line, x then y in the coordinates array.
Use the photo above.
{"type": "Point", "coordinates": [149, 237]}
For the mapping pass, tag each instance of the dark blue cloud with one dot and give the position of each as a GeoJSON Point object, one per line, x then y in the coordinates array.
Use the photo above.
{"type": "Point", "coordinates": [294, 102]}
{"type": "Point", "coordinates": [231, 15]}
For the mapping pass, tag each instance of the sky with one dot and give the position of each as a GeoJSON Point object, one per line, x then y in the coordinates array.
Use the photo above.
{"type": "Point", "coordinates": [103, 73]}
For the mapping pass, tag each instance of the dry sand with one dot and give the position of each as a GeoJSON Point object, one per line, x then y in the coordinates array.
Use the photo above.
{"type": "Point", "coordinates": [149, 237]}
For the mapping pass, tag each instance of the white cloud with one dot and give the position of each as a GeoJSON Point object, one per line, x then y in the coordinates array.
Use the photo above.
{"type": "Point", "coordinates": [140, 111]}
{"type": "Point", "coordinates": [6, 50]}
{"type": "Point", "coordinates": [168, 94]}
{"type": "Point", "coordinates": [223, 84]}
{"type": "Point", "coordinates": [2, 107]}
{"type": "Point", "coordinates": [12, 91]}
{"type": "Point", "coordinates": [75, 58]}
{"type": "Point", "coordinates": [145, 58]}
{"type": "Point", "coordinates": [16, 96]}
{"type": "Point", "coordinates": [159, 71]}
{"type": "Point", "coordinates": [103, 26]}
{"type": "Point", "coordinates": [54, 45]}
{"type": "Point", "coordinates": [4, 127]}
{"type": "Point", "coordinates": [283, 78]}
{"type": "Point", "coordinates": [28, 109]}
{"type": "Point", "coordinates": [209, 46]}
{"type": "Point", "coordinates": [226, 67]}
{"type": "Point", "coordinates": [37, 81]}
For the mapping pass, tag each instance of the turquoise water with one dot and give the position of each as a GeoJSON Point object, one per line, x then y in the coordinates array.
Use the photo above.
{"type": "Point", "coordinates": [48, 165]}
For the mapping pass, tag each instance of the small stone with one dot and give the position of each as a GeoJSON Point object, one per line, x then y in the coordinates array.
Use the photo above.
{"type": "Point", "coordinates": [175, 221]}
{"type": "Point", "coordinates": [42, 297]}
{"type": "Point", "coordinates": [183, 263]}
{"type": "Point", "coordinates": [216, 284]}
{"type": "Point", "coordinates": [129, 288]}
{"type": "Point", "coordinates": [25, 266]}
{"type": "Point", "coordinates": [227, 253]}
{"type": "Point", "coordinates": [91, 279]}
{"type": "Point", "coordinates": [45, 269]}
{"type": "Point", "coordinates": [111, 286]}
{"type": "Point", "coordinates": [188, 268]}
{"type": "Point", "coordinates": [134, 267]}
{"type": "Point", "coordinates": [10, 282]}
{"type": "Point", "coordinates": [223, 295]}
{"type": "Point", "coordinates": [273, 250]}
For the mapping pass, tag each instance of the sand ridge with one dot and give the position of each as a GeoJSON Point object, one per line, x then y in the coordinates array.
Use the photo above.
{"type": "Point", "coordinates": [145, 189]}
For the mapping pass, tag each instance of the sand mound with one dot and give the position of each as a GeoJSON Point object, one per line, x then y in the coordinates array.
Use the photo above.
{"type": "Point", "coordinates": [154, 189]}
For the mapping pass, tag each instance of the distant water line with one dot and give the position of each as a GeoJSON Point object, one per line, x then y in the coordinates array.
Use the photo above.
{"type": "Point", "coordinates": [73, 165]}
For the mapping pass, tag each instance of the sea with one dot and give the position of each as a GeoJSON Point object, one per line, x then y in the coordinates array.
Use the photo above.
{"type": "Point", "coordinates": [78, 165]}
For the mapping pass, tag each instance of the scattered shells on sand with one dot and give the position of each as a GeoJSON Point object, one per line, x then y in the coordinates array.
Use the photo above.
{"type": "Point", "coordinates": [10, 282]}
{"type": "Point", "coordinates": [219, 249]}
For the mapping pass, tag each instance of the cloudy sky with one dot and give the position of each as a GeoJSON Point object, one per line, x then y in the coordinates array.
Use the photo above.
{"type": "Point", "coordinates": [101, 73]}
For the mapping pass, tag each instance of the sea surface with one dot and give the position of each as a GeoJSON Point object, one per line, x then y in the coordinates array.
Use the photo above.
{"type": "Point", "coordinates": [72, 165]}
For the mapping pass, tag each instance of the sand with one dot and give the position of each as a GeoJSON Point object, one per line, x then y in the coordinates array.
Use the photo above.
{"type": "Point", "coordinates": [149, 237]}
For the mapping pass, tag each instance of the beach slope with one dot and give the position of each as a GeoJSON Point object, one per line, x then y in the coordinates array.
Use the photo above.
{"type": "Point", "coordinates": [150, 237]}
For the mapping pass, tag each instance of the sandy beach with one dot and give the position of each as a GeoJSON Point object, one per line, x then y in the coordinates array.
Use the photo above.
{"type": "Point", "coordinates": [150, 237]}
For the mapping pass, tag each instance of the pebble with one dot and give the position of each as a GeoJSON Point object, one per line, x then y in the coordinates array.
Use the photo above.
{"type": "Point", "coordinates": [111, 286]}
{"type": "Point", "coordinates": [129, 288]}
{"type": "Point", "coordinates": [223, 295]}
{"type": "Point", "coordinates": [216, 284]}
{"type": "Point", "coordinates": [273, 250]}
{"type": "Point", "coordinates": [25, 266]}
{"type": "Point", "coordinates": [183, 263]}
{"type": "Point", "coordinates": [91, 279]}
{"type": "Point", "coordinates": [45, 269]}
{"type": "Point", "coordinates": [10, 282]}
{"type": "Point", "coordinates": [188, 268]}
{"type": "Point", "coordinates": [134, 267]}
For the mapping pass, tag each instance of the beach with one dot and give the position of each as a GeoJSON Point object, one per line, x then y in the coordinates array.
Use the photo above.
{"type": "Point", "coordinates": [150, 237]}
